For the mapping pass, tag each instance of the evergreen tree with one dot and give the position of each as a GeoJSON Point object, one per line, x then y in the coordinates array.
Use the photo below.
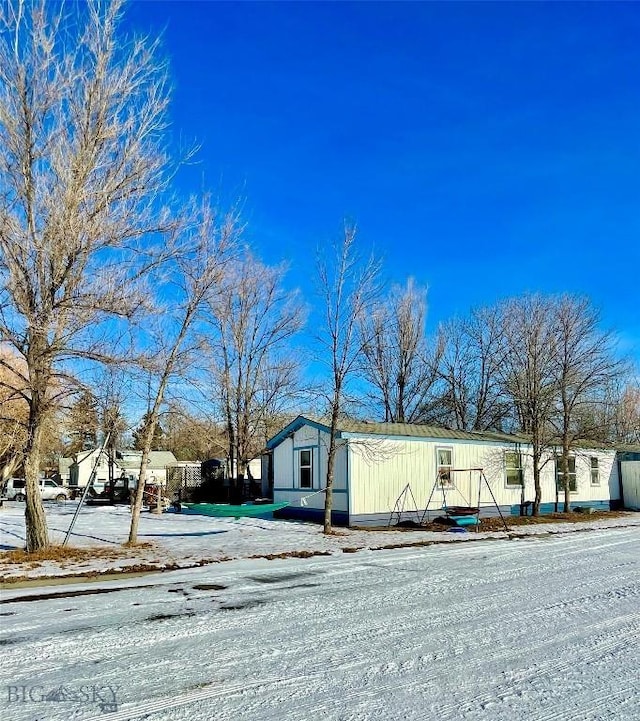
{"type": "Point", "coordinates": [158, 441]}
{"type": "Point", "coordinates": [83, 423]}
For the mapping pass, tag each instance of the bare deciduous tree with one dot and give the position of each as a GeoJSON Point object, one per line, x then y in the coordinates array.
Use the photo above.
{"type": "Point", "coordinates": [82, 160]}
{"type": "Point", "coordinates": [348, 287]}
{"type": "Point", "coordinates": [397, 360]}
{"type": "Point", "coordinates": [471, 397]}
{"type": "Point", "coordinates": [527, 370]}
{"type": "Point", "coordinates": [585, 366]}
{"type": "Point", "coordinates": [14, 414]}
{"type": "Point", "coordinates": [253, 318]}
{"type": "Point", "coordinates": [192, 436]}
{"type": "Point", "coordinates": [627, 416]}
{"type": "Point", "coordinates": [194, 274]}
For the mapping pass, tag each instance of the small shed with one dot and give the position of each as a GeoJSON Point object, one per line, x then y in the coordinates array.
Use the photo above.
{"type": "Point", "coordinates": [629, 459]}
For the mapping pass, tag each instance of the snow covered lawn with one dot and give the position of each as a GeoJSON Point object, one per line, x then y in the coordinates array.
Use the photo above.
{"type": "Point", "coordinates": [536, 629]}
{"type": "Point", "coordinates": [181, 540]}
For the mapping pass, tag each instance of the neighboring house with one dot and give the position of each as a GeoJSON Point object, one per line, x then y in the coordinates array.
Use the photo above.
{"type": "Point", "coordinates": [127, 462]}
{"type": "Point", "coordinates": [376, 461]}
{"type": "Point", "coordinates": [629, 459]}
{"type": "Point", "coordinates": [82, 465]}
{"type": "Point", "coordinates": [64, 470]}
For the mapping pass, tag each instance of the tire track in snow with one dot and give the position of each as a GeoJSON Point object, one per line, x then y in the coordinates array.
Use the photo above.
{"type": "Point", "coordinates": [605, 645]}
{"type": "Point", "coordinates": [147, 708]}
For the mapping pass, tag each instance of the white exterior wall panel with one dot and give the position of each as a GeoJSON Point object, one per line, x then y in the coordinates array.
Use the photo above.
{"type": "Point", "coordinates": [371, 472]}
{"type": "Point", "coordinates": [380, 470]}
{"type": "Point", "coordinates": [607, 488]}
{"type": "Point", "coordinates": [286, 466]}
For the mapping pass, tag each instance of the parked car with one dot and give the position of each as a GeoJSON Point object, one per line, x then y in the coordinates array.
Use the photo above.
{"type": "Point", "coordinates": [15, 490]}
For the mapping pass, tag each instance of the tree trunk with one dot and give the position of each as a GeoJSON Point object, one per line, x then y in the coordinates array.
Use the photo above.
{"type": "Point", "coordinates": [37, 535]}
{"type": "Point", "coordinates": [331, 462]}
{"type": "Point", "coordinates": [8, 469]}
{"type": "Point", "coordinates": [536, 484]}
{"type": "Point", "coordinates": [136, 506]}
{"type": "Point", "coordinates": [139, 495]}
{"type": "Point", "coordinates": [565, 480]}
{"type": "Point", "coordinates": [35, 517]}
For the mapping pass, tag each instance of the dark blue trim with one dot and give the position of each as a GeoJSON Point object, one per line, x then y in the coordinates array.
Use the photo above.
{"type": "Point", "coordinates": [295, 425]}
{"type": "Point", "coordinates": [307, 491]}
{"type": "Point", "coordinates": [315, 515]}
{"type": "Point", "coordinates": [550, 507]}
{"type": "Point", "coordinates": [629, 455]}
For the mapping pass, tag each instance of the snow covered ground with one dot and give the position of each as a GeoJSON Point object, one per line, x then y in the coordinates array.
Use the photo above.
{"type": "Point", "coordinates": [185, 540]}
{"type": "Point", "coordinates": [536, 629]}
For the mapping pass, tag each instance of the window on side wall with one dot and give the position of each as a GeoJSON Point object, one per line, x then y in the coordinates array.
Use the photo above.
{"type": "Point", "coordinates": [595, 471]}
{"type": "Point", "coordinates": [573, 485]}
{"type": "Point", "coordinates": [306, 469]}
{"type": "Point", "coordinates": [513, 469]}
{"type": "Point", "coordinates": [444, 464]}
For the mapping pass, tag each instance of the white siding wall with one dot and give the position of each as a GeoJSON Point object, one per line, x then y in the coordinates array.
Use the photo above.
{"type": "Point", "coordinates": [608, 487]}
{"type": "Point", "coordinates": [286, 470]}
{"type": "Point", "coordinates": [380, 470]}
{"type": "Point", "coordinates": [82, 471]}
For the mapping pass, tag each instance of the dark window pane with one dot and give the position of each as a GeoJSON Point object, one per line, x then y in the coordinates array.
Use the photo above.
{"type": "Point", "coordinates": [514, 477]}
{"type": "Point", "coordinates": [305, 477]}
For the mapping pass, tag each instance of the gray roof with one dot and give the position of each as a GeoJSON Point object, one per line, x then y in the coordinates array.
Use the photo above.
{"type": "Point", "coordinates": [407, 430]}
{"type": "Point", "coordinates": [160, 459]}
{"type": "Point", "coordinates": [157, 459]}
{"type": "Point", "coordinates": [415, 430]}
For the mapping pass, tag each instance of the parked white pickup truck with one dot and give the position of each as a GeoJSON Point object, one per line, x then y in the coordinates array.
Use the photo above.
{"type": "Point", "coordinates": [49, 490]}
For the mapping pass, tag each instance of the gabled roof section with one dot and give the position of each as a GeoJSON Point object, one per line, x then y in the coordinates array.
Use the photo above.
{"type": "Point", "coordinates": [160, 459]}
{"type": "Point", "coordinates": [292, 427]}
{"type": "Point", "coordinates": [394, 430]}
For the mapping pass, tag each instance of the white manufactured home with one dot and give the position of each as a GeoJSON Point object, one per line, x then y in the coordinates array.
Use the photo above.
{"type": "Point", "coordinates": [380, 466]}
{"type": "Point", "coordinates": [127, 462]}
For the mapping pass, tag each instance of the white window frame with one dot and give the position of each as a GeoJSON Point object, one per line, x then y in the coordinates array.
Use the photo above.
{"type": "Point", "coordinates": [519, 467]}
{"type": "Point", "coordinates": [305, 467]}
{"type": "Point", "coordinates": [559, 484]}
{"type": "Point", "coordinates": [594, 470]}
{"type": "Point", "coordinates": [439, 466]}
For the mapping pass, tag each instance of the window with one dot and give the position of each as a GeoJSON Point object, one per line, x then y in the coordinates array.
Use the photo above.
{"type": "Point", "coordinates": [513, 469]}
{"type": "Point", "coordinates": [595, 471]}
{"type": "Point", "coordinates": [573, 486]}
{"type": "Point", "coordinates": [306, 469]}
{"type": "Point", "coordinates": [443, 466]}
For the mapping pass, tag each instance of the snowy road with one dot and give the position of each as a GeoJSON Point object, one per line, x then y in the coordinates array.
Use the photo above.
{"type": "Point", "coordinates": [540, 630]}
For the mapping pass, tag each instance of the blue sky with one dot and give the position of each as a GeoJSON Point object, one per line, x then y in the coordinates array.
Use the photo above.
{"type": "Point", "coordinates": [485, 149]}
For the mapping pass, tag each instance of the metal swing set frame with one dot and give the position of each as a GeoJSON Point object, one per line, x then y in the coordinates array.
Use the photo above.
{"type": "Point", "coordinates": [461, 515]}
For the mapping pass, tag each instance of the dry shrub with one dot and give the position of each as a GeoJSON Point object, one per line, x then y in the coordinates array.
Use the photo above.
{"type": "Point", "coordinates": [66, 553]}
